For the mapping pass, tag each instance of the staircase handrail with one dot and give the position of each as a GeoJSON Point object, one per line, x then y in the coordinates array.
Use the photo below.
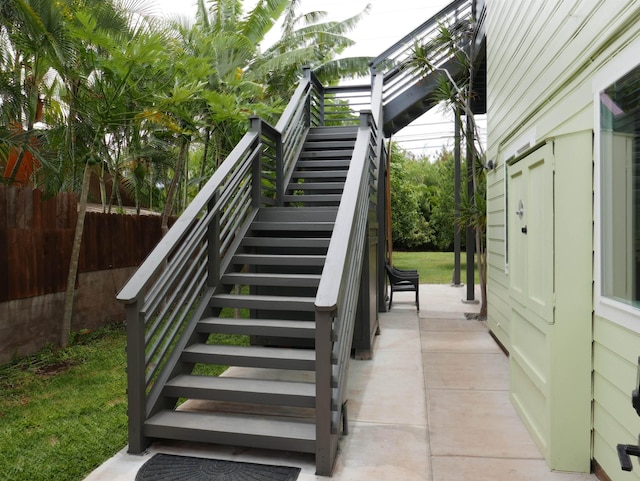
{"type": "Point", "coordinates": [303, 111]}
{"type": "Point", "coordinates": [133, 289]}
{"type": "Point", "coordinates": [396, 62]}
{"type": "Point", "coordinates": [169, 292]}
{"type": "Point", "coordinates": [392, 56]}
{"type": "Point", "coordinates": [337, 295]}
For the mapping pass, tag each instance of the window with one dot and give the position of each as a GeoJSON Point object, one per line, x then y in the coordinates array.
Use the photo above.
{"type": "Point", "coordinates": [620, 190]}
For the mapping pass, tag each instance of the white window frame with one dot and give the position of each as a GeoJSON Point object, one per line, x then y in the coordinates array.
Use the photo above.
{"type": "Point", "coordinates": [610, 309]}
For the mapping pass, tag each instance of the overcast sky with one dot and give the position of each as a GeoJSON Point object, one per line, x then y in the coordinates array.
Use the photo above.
{"type": "Point", "coordinates": [387, 22]}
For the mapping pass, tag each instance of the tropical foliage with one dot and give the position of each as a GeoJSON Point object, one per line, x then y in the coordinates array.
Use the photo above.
{"type": "Point", "coordinates": [153, 104]}
{"type": "Point", "coordinates": [102, 92]}
{"type": "Point", "coordinates": [423, 201]}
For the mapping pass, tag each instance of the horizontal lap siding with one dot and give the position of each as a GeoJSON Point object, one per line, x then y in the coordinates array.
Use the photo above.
{"type": "Point", "coordinates": [615, 357]}
{"type": "Point", "coordinates": [498, 286]}
{"type": "Point", "coordinates": [542, 57]}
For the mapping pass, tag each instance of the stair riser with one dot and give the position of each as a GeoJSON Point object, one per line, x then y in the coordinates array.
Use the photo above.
{"type": "Point", "coordinates": [338, 175]}
{"type": "Point", "coordinates": [268, 399]}
{"type": "Point", "coordinates": [246, 361]}
{"type": "Point", "coordinates": [257, 260]}
{"type": "Point", "coordinates": [329, 145]}
{"type": "Point", "coordinates": [289, 214]}
{"type": "Point", "coordinates": [320, 187]}
{"type": "Point", "coordinates": [273, 305]}
{"type": "Point", "coordinates": [257, 330]}
{"type": "Point", "coordinates": [276, 250]}
{"type": "Point", "coordinates": [275, 281]}
{"type": "Point", "coordinates": [286, 242]}
{"type": "Point", "coordinates": [276, 441]}
{"type": "Point", "coordinates": [292, 227]}
{"type": "Point", "coordinates": [312, 196]}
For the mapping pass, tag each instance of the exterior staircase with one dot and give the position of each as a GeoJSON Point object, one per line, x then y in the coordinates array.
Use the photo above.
{"type": "Point", "coordinates": [280, 235]}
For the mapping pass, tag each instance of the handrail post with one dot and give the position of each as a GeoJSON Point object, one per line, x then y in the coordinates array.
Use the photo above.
{"type": "Point", "coordinates": [306, 73]}
{"type": "Point", "coordinates": [324, 455]}
{"type": "Point", "coordinates": [279, 171]}
{"type": "Point", "coordinates": [136, 382]}
{"type": "Point", "coordinates": [213, 244]}
{"type": "Point", "coordinates": [256, 168]}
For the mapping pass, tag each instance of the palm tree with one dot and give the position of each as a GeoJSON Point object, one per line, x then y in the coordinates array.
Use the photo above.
{"type": "Point", "coordinates": [308, 40]}
{"type": "Point", "coordinates": [119, 93]}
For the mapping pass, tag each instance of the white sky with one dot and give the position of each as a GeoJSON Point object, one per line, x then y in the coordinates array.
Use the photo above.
{"type": "Point", "coordinates": [387, 22]}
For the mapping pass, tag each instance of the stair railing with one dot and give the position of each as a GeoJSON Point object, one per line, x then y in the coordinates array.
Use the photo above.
{"type": "Point", "coordinates": [337, 296]}
{"type": "Point", "coordinates": [169, 293]}
{"type": "Point", "coordinates": [395, 62]}
{"type": "Point", "coordinates": [295, 122]}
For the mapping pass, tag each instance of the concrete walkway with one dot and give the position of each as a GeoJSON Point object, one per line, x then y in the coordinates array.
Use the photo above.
{"type": "Point", "coordinates": [432, 405]}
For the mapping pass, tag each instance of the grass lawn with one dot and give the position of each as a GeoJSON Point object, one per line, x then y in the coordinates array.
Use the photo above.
{"type": "Point", "coordinates": [433, 267]}
{"type": "Point", "coordinates": [63, 412]}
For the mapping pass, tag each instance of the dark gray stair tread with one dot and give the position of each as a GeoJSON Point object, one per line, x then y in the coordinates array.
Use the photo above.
{"type": "Point", "coordinates": [326, 199]}
{"type": "Point", "coordinates": [233, 429]}
{"type": "Point", "coordinates": [332, 133]}
{"type": "Point", "coordinates": [309, 174]}
{"type": "Point", "coordinates": [251, 356]}
{"type": "Point", "coordinates": [319, 138]}
{"type": "Point", "coordinates": [288, 303]}
{"type": "Point", "coordinates": [316, 186]}
{"type": "Point", "coordinates": [296, 214]}
{"type": "Point", "coordinates": [312, 242]}
{"type": "Point", "coordinates": [261, 279]}
{"type": "Point", "coordinates": [325, 164]}
{"type": "Point", "coordinates": [276, 260]}
{"type": "Point", "coordinates": [258, 327]}
{"type": "Point", "coordinates": [243, 390]}
{"type": "Point", "coordinates": [311, 144]}
{"type": "Point", "coordinates": [293, 226]}
{"type": "Point", "coordinates": [326, 154]}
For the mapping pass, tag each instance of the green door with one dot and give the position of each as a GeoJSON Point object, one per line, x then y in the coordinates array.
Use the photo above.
{"type": "Point", "coordinates": [530, 220]}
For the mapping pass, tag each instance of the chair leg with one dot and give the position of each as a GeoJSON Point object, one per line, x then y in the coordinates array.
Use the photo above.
{"type": "Point", "coordinates": [390, 298]}
{"type": "Point", "coordinates": [417, 297]}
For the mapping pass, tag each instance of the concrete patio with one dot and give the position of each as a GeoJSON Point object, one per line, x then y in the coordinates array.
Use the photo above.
{"type": "Point", "coordinates": [432, 405]}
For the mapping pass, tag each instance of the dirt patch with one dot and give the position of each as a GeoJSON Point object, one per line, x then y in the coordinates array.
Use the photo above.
{"type": "Point", "coordinates": [56, 368]}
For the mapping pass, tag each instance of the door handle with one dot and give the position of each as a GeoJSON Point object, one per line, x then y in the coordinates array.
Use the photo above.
{"type": "Point", "coordinates": [524, 229]}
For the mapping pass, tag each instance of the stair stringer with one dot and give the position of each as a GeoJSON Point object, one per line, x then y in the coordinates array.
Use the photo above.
{"type": "Point", "coordinates": [417, 99]}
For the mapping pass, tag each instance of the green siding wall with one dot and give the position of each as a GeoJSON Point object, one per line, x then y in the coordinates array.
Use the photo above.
{"type": "Point", "coordinates": [615, 357]}
{"type": "Point", "coordinates": [542, 60]}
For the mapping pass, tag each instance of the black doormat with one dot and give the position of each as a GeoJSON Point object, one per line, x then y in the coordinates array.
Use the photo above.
{"type": "Point", "coordinates": [167, 467]}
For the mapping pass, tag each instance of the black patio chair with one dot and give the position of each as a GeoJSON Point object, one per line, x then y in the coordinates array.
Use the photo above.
{"type": "Point", "coordinates": [403, 280]}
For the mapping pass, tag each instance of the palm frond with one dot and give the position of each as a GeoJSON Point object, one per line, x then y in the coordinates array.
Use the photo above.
{"type": "Point", "coordinates": [262, 18]}
{"type": "Point", "coordinates": [344, 68]}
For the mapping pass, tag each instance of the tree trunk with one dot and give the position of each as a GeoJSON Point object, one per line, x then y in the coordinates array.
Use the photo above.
{"type": "Point", "coordinates": [173, 187]}
{"type": "Point", "coordinates": [73, 263]}
{"type": "Point", "coordinates": [482, 272]}
{"type": "Point", "coordinates": [204, 158]}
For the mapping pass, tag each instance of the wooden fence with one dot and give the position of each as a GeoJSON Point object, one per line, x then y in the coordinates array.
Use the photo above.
{"type": "Point", "coordinates": [36, 235]}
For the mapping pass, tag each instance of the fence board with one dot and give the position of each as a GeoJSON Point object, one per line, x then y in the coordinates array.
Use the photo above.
{"type": "Point", "coordinates": [11, 207]}
{"type": "Point", "coordinates": [36, 209]}
{"type": "Point", "coordinates": [36, 237]}
{"type": "Point", "coordinates": [4, 261]}
{"type": "Point", "coordinates": [19, 208]}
